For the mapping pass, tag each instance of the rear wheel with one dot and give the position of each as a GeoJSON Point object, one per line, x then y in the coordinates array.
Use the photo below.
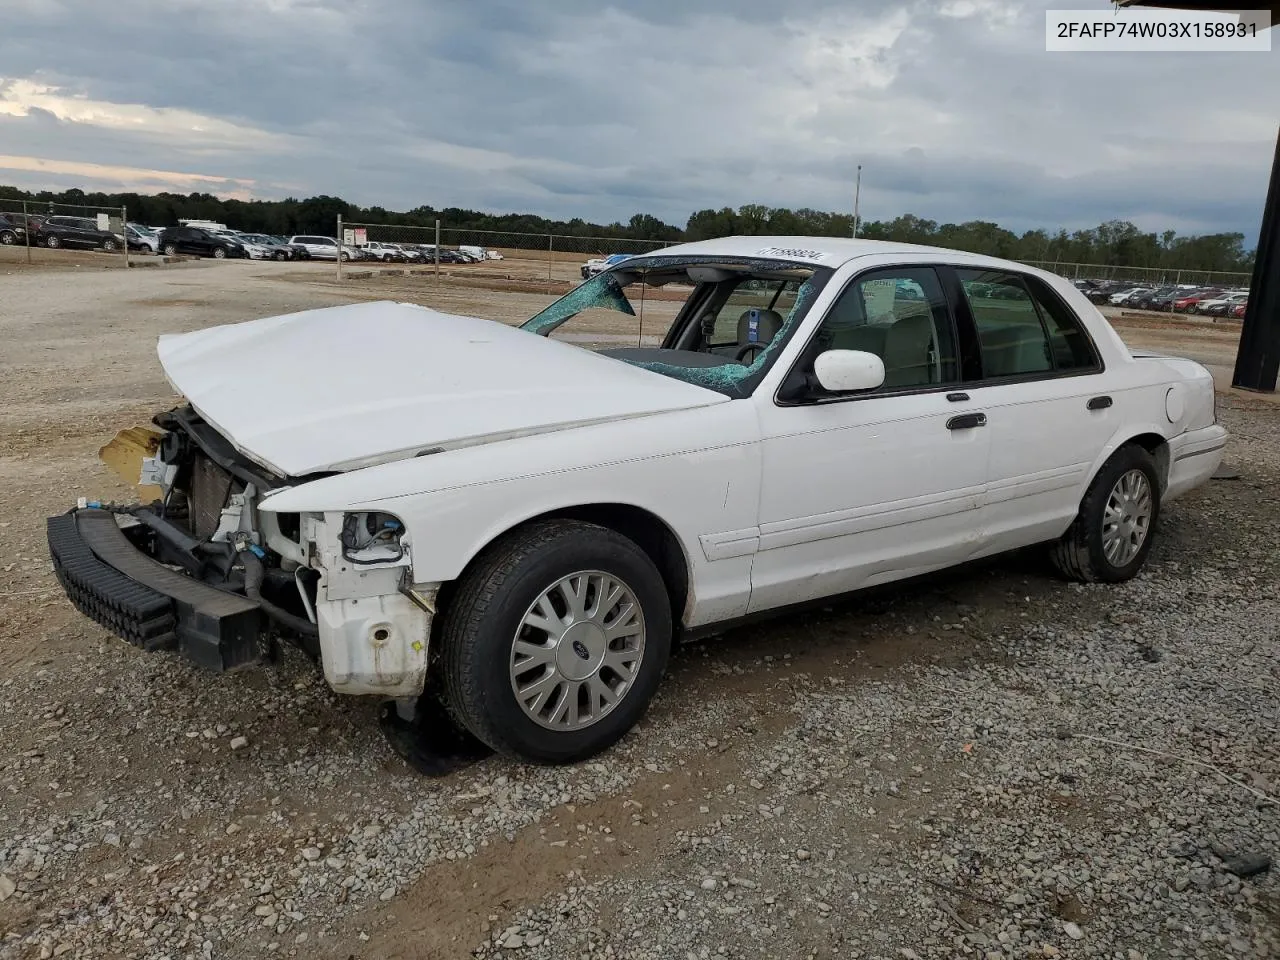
{"type": "Point", "coordinates": [555, 641]}
{"type": "Point", "coordinates": [109, 246]}
{"type": "Point", "coordinates": [281, 255]}
{"type": "Point", "coordinates": [171, 249]}
{"type": "Point", "coordinates": [219, 253]}
{"type": "Point", "coordinates": [8, 238]}
{"type": "Point", "coordinates": [1112, 534]}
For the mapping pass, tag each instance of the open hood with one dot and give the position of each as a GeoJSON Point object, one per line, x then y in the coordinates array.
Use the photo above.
{"type": "Point", "coordinates": [342, 388]}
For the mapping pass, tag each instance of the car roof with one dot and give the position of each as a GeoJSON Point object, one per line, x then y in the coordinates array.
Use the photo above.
{"type": "Point", "coordinates": [826, 251]}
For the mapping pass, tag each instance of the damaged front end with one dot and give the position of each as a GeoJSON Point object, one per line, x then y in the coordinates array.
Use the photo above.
{"type": "Point", "coordinates": [202, 569]}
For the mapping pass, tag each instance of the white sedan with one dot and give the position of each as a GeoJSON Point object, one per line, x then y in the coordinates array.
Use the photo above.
{"type": "Point", "coordinates": [519, 526]}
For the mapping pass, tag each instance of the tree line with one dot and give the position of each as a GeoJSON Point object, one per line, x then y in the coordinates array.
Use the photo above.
{"type": "Point", "coordinates": [1115, 243]}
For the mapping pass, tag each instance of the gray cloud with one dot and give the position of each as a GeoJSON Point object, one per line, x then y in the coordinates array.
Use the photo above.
{"type": "Point", "coordinates": [602, 110]}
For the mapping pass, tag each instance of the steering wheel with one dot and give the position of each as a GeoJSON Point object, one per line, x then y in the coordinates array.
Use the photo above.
{"type": "Point", "coordinates": [747, 348]}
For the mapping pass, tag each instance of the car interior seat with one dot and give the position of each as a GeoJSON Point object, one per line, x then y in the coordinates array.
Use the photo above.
{"type": "Point", "coordinates": [758, 326]}
{"type": "Point", "coordinates": [909, 351]}
{"type": "Point", "coordinates": [1012, 349]}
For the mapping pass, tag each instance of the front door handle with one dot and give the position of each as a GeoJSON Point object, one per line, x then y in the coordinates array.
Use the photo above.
{"type": "Point", "coordinates": [1099, 403]}
{"type": "Point", "coordinates": [967, 421]}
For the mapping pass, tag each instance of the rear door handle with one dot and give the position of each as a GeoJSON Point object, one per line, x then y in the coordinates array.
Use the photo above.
{"type": "Point", "coordinates": [1099, 403]}
{"type": "Point", "coordinates": [967, 421]}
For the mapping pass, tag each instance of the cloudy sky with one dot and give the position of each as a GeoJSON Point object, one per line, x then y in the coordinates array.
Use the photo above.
{"type": "Point", "coordinates": [604, 108]}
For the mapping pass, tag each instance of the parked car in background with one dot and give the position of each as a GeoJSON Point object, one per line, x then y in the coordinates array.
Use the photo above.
{"type": "Point", "coordinates": [476, 253]}
{"type": "Point", "coordinates": [411, 253]}
{"type": "Point", "coordinates": [1218, 306]}
{"type": "Point", "coordinates": [803, 431]}
{"type": "Point", "coordinates": [82, 232]}
{"type": "Point", "coordinates": [324, 248]}
{"type": "Point", "coordinates": [1192, 299]}
{"type": "Point", "coordinates": [1163, 299]}
{"type": "Point", "coordinates": [273, 248]}
{"type": "Point", "coordinates": [592, 267]}
{"type": "Point", "coordinates": [1122, 298]}
{"type": "Point", "coordinates": [1101, 292]}
{"type": "Point", "coordinates": [1143, 300]}
{"type": "Point", "coordinates": [383, 252]}
{"type": "Point", "coordinates": [199, 242]}
{"type": "Point", "coordinates": [255, 250]}
{"type": "Point", "coordinates": [142, 238]}
{"type": "Point", "coordinates": [1238, 311]}
{"type": "Point", "coordinates": [12, 229]}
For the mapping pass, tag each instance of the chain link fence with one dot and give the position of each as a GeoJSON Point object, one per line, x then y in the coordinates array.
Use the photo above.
{"type": "Point", "coordinates": [1151, 276]}
{"type": "Point", "coordinates": [551, 261]}
{"type": "Point", "coordinates": [27, 226]}
{"type": "Point", "coordinates": [557, 260]}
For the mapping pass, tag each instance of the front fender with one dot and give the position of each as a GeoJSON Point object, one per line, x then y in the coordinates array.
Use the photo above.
{"type": "Point", "coordinates": [455, 503]}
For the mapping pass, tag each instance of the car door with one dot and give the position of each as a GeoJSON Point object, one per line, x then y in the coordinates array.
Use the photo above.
{"type": "Point", "coordinates": [81, 233]}
{"type": "Point", "coordinates": [1039, 379]}
{"type": "Point", "coordinates": [60, 228]}
{"type": "Point", "coordinates": [202, 242]}
{"type": "Point", "coordinates": [859, 489]}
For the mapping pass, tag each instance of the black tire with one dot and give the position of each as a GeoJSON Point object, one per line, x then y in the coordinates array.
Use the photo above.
{"type": "Point", "coordinates": [1079, 554]}
{"type": "Point", "coordinates": [109, 246]}
{"type": "Point", "coordinates": [219, 253]}
{"type": "Point", "coordinates": [281, 255]}
{"type": "Point", "coordinates": [482, 619]}
{"type": "Point", "coordinates": [8, 237]}
{"type": "Point", "coordinates": [345, 256]}
{"type": "Point", "coordinates": [170, 249]}
{"type": "Point", "coordinates": [53, 243]}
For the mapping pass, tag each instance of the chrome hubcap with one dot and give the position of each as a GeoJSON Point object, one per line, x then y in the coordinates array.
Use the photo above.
{"type": "Point", "coordinates": [577, 650]}
{"type": "Point", "coordinates": [1127, 518]}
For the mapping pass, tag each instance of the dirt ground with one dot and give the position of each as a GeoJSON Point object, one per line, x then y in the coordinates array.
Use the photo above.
{"type": "Point", "coordinates": [816, 786]}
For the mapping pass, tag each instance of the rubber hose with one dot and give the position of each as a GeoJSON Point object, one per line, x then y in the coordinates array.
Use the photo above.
{"type": "Point", "coordinates": [255, 572]}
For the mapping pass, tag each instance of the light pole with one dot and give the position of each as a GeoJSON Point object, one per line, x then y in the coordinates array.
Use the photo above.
{"type": "Point", "coordinates": [857, 194]}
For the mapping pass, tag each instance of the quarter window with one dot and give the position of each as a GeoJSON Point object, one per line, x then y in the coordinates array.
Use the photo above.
{"type": "Point", "coordinates": [901, 316]}
{"type": "Point", "coordinates": [1023, 329]}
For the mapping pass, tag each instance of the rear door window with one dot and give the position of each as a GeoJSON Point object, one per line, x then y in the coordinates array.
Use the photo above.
{"type": "Point", "coordinates": [1023, 329]}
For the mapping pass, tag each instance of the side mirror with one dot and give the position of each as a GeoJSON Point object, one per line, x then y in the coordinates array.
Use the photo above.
{"type": "Point", "coordinates": [843, 371]}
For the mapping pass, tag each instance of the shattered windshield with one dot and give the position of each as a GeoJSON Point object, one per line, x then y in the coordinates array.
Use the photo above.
{"type": "Point", "coordinates": [716, 322]}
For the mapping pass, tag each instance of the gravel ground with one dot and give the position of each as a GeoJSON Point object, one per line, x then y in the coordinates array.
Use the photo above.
{"type": "Point", "coordinates": [988, 764]}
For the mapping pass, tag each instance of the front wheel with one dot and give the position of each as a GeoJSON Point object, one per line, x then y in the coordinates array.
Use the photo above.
{"type": "Point", "coordinates": [53, 243]}
{"type": "Point", "coordinates": [170, 249]}
{"type": "Point", "coordinates": [555, 641]}
{"type": "Point", "coordinates": [8, 238]}
{"type": "Point", "coordinates": [1112, 534]}
{"type": "Point", "coordinates": [219, 253]}
{"type": "Point", "coordinates": [345, 256]}
{"type": "Point", "coordinates": [281, 255]}
{"type": "Point", "coordinates": [109, 246]}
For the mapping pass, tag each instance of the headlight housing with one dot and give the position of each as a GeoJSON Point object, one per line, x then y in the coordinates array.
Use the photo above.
{"type": "Point", "coordinates": [372, 538]}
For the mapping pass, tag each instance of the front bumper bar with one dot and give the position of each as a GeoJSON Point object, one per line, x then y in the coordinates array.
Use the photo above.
{"type": "Point", "coordinates": [146, 603]}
